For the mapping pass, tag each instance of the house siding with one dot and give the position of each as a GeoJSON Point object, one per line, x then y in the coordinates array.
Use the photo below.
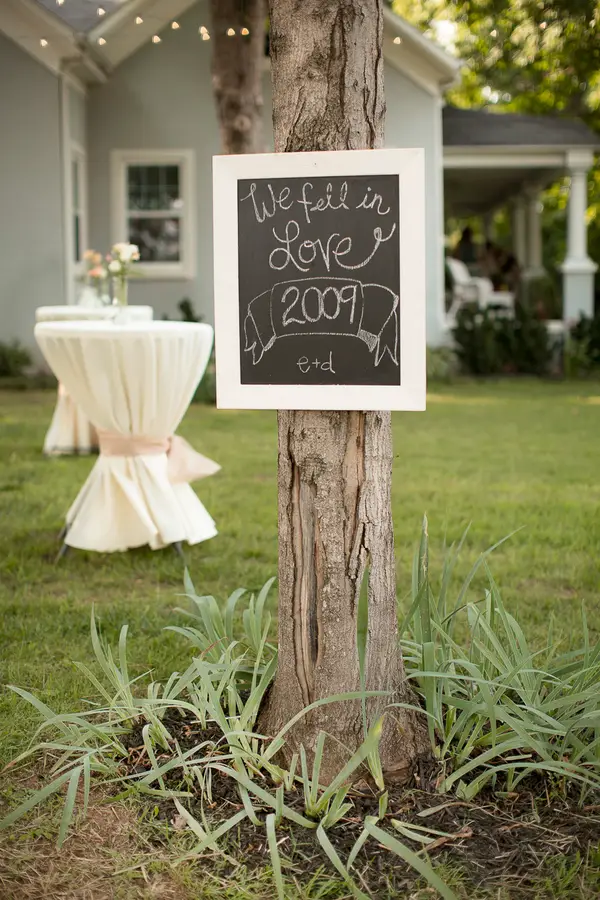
{"type": "Point", "coordinates": [161, 98]}
{"type": "Point", "coordinates": [414, 119]}
{"type": "Point", "coordinates": [77, 116]}
{"type": "Point", "coordinates": [31, 230]}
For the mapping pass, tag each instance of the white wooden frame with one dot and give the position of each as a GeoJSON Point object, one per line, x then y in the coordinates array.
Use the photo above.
{"type": "Point", "coordinates": [120, 159]}
{"type": "Point", "coordinates": [409, 166]}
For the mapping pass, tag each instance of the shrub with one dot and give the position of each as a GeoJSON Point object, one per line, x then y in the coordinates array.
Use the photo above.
{"type": "Point", "coordinates": [490, 342]}
{"type": "Point", "coordinates": [442, 364]}
{"type": "Point", "coordinates": [541, 296]}
{"type": "Point", "coordinates": [582, 348]}
{"type": "Point", "coordinates": [14, 359]}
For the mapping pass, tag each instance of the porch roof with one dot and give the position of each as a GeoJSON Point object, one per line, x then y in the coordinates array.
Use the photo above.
{"type": "Point", "coordinates": [493, 157]}
{"type": "Point", "coordinates": [484, 128]}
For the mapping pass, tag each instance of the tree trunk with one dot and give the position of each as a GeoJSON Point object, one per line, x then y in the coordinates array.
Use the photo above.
{"type": "Point", "coordinates": [237, 71]}
{"type": "Point", "coordinates": [335, 467]}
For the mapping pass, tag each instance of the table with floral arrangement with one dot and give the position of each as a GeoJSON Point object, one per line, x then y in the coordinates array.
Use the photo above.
{"type": "Point", "coordinates": [70, 431]}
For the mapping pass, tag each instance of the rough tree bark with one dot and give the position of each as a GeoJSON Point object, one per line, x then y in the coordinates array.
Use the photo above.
{"type": "Point", "coordinates": [237, 70]}
{"type": "Point", "coordinates": [335, 467]}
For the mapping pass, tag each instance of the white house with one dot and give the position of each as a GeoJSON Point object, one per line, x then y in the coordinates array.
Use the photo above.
{"type": "Point", "coordinates": [108, 127]}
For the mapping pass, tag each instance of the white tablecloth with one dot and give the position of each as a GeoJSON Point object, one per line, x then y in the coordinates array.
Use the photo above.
{"type": "Point", "coordinates": [134, 381]}
{"type": "Point", "coordinates": [70, 430]}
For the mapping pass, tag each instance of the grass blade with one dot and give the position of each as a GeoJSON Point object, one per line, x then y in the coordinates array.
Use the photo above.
{"type": "Point", "coordinates": [410, 857]}
{"type": "Point", "coordinates": [275, 858]}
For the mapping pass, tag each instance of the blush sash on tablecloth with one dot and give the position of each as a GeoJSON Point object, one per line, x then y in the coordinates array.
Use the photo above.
{"type": "Point", "coordinates": [70, 431]}
{"type": "Point", "coordinates": [135, 382]}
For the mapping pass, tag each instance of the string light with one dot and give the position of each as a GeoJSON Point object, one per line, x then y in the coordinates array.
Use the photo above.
{"type": "Point", "coordinates": [175, 26]}
{"type": "Point", "coordinates": [59, 2]}
{"type": "Point", "coordinates": [397, 40]}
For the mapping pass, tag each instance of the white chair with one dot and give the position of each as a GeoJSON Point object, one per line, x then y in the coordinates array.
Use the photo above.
{"type": "Point", "coordinates": [469, 289]}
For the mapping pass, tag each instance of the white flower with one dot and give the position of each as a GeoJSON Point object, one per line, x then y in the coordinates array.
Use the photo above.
{"type": "Point", "coordinates": [114, 266]}
{"type": "Point", "coordinates": [126, 252]}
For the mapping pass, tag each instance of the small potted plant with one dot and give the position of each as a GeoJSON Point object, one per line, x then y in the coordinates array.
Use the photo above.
{"type": "Point", "coordinates": [122, 260]}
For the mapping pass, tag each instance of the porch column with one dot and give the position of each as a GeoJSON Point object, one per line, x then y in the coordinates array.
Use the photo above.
{"type": "Point", "coordinates": [488, 225]}
{"type": "Point", "coordinates": [534, 267]}
{"type": "Point", "coordinates": [519, 231]}
{"type": "Point", "coordinates": [578, 269]}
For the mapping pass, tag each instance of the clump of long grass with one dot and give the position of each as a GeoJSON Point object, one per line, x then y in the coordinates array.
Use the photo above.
{"type": "Point", "coordinates": [497, 712]}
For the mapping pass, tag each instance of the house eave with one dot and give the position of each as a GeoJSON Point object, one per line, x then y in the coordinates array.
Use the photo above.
{"type": "Point", "coordinates": [444, 68]}
{"type": "Point", "coordinates": [66, 53]}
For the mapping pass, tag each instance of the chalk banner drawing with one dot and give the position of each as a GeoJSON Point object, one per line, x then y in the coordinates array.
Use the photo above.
{"type": "Point", "coordinates": [319, 280]}
{"type": "Point", "coordinates": [324, 306]}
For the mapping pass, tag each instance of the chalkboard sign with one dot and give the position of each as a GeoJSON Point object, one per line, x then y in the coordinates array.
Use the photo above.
{"type": "Point", "coordinates": [319, 280]}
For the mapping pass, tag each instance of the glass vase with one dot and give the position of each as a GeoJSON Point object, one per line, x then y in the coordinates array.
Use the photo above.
{"type": "Point", "coordinates": [121, 292]}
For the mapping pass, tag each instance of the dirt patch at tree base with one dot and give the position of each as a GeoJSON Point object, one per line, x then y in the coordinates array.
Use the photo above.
{"type": "Point", "coordinates": [509, 841]}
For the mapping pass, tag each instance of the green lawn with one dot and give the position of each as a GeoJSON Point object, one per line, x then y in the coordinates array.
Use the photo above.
{"type": "Point", "coordinates": [503, 457]}
{"type": "Point", "coordinates": [517, 455]}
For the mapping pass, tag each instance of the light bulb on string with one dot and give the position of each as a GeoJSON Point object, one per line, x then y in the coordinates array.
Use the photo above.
{"type": "Point", "coordinates": [206, 36]}
{"type": "Point", "coordinates": [101, 11]}
{"type": "Point", "coordinates": [175, 26]}
{"type": "Point", "coordinates": [43, 42]}
{"type": "Point", "coordinates": [59, 2]}
{"type": "Point", "coordinates": [397, 40]}
{"type": "Point", "coordinates": [230, 32]}
{"type": "Point", "coordinates": [245, 32]}
{"type": "Point", "coordinates": [101, 41]}
{"type": "Point", "coordinates": [156, 39]}
{"type": "Point", "coordinates": [138, 20]}
{"type": "Point", "coordinates": [203, 29]}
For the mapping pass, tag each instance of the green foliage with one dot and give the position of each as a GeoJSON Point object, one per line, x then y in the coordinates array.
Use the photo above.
{"type": "Point", "coordinates": [187, 311]}
{"type": "Point", "coordinates": [581, 355]}
{"type": "Point", "coordinates": [541, 296]}
{"type": "Point", "coordinates": [527, 56]}
{"type": "Point", "coordinates": [489, 342]}
{"type": "Point", "coordinates": [442, 364]}
{"type": "Point", "coordinates": [498, 710]}
{"type": "Point", "coordinates": [222, 688]}
{"type": "Point", "coordinates": [14, 359]}
{"type": "Point", "coordinates": [207, 389]}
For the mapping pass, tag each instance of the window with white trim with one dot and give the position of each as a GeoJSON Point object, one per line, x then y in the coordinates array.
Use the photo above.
{"type": "Point", "coordinates": [78, 204]}
{"type": "Point", "coordinates": [153, 207]}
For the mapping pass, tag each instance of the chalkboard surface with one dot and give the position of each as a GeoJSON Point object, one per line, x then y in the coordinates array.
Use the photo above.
{"type": "Point", "coordinates": [319, 280]}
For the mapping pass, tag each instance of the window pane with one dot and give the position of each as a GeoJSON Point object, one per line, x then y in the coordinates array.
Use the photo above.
{"type": "Point", "coordinates": [77, 238]}
{"type": "Point", "coordinates": [158, 239]}
{"type": "Point", "coordinates": [75, 182]}
{"type": "Point", "coordinates": [153, 187]}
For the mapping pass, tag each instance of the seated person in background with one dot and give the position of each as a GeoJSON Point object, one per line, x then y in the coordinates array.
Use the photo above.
{"type": "Point", "coordinates": [510, 272]}
{"type": "Point", "coordinates": [466, 249]}
{"type": "Point", "coordinates": [489, 261]}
